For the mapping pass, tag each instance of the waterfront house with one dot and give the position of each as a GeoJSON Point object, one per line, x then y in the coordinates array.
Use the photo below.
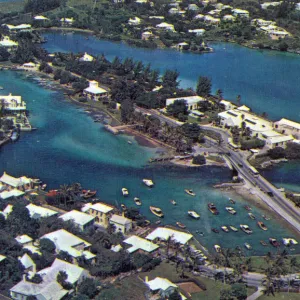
{"type": "Point", "coordinates": [81, 220]}
{"type": "Point", "coordinates": [38, 212]}
{"type": "Point", "coordinates": [70, 243]}
{"type": "Point", "coordinates": [101, 211]}
{"type": "Point", "coordinates": [49, 288]}
{"type": "Point", "coordinates": [182, 46]}
{"type": "Point", "coordinates": [197, 32]}
{"type": "Point", "coordinates": [13, 103]}
{"type": "Point", "coordinates": [227, 104]}
{"type": "Point", "coordinates": [139, 244]}
{"type": "Point", "coordinates": [191, 101]}
{"type": "Point", "coordinates": [279, 141]}
{"type": "Point", "coordinates": [8, 44]}
{"type": "Point", "coordinates": [24, 240]}
{"type": "Point", "coordinates": [286, 126]}
{"type": "Point", "coordinates": [86, 57]}
{"type": "Point", "coordinates": [30, 66]}
{"type": "Point", "coordinates": [66, 22]}
{"type": "Point", "coordinates": [165, 26]}
{"type": "Point", "coordinates": [278, 34]}
{"type": "Point", "coordinates": [121, 223]}
{"type": "Point", "coordinates": [13, 193]}
{"type": "Point", "coordinates": [40, 18]}
{"type": "Point", "coordinates": [94, 92]}
{"type": "Point", "coordinates": [147, 35]}
{"type": "Point", "coordinates": [163, 234]}
{"type": "Point", "coordinates": [28, 264]}
{"type": "Point", "coordinates": [22, 183]}
{"type": "Point", "coordinates": [18, 28]}
{"type": "Point", "coordinates": [134, 21]}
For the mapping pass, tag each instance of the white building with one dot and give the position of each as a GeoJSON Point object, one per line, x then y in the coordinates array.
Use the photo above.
{"type": "Point", "coordinates": [40, 18]}
{"type": "Point", "coordinates": [38, 212]}
{"type": "Point", "coordinates": [193, 7]}
{"type": "Point", "coordinates": [86, 57]}
{"type": "Point", "coordinates": [139, 244]}
{"type": "Point", "coordinates": [68, 242]}
{"type": "Point", "coordinates": [101, 211]}
{"type": "Point", "coordinates": [227, 104]}
{"type": "Point", "coordinates": [30, 66]}
{"type": "Point", "coordinates": [68, 22]}
{"type": "Point", "coordinates": [162, 233]}
{"type": "Point", "coordinates": [134, 21]}
{"type": "Point", "coordinates": [8, 44]}
{"type": "Point", "coordinates": [24, 239]}
{"type": "Point", "coordinates": [28, 263]}
{"type": "Point", "coordinates": [165, 26]}
{"type": "Point", "coordinates": [13, 103]}
{"type": "Point", "coordinates": [13, 193]}
{"type": "Point", "coordinates": [21, 183]}
{"type": "Point", "coordinates": [279, 141]}
{"type": "Point", "coordinates": [199, 17]}
{"type": "Point", "coordinates": [191, 101]}
{"type": "Point", "coordinates": [228, 18]}
{"type": "Point", "coordinates": [121, 223]}
{"type": "Point", "coordinates": [81, 220]}
{"type": "Point", "coordinates": [262, 22]}
{"type": "Point", "coordinates": [94, 92]}
{"type": "Point", "coordinates": [240, 12]}
{"type": "Point", "coordinates": [21, 27]}
{"type": "Point", "coordinates": [197, 32]}
{"type": "Point", "coordinates": [49, 288]}
{"type": "Point", "coordinates": [286, 126]}
{"type": "Point", "coordinates": [147, 35]}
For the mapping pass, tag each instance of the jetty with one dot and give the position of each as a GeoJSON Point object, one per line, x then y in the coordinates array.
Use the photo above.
{"type": "Point", "coordinates": [117, 129]}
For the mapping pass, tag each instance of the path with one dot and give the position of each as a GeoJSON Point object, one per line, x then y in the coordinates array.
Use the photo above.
{"type": "Point", "coordinates": [256, 295]}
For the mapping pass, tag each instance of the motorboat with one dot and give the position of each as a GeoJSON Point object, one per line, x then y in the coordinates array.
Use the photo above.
{"type": "Point", "coordinates": [88, 194]}
{"type": "Point", "coordinates": [215, 230]}
{"type": "Point", "coordinates": [230, 210]}
{"type": "Point", "coordinates": [213, 209]}
{"type": "Point", "coordinates": [148, 182]}
{"type": "Point", "coordinates": [173, 202]}
{"type": "Point", "coordinates": [233, 228]}
{"type": "Point", "coordinates": [266, 218]}
{"type": "Point", "coordinates": [125, 192]}
{"type": "Point", "coordinates": [231, 201]}
{"type": "Point", "coordinates": [158, 222]}
{"type": "Point", "coordinates": [274, 242]}
{"type": "Point", "coordinates": [157, 211]}
{"type": "Point", "coordinates": [225, 228]}
{"type": "Point", "coordinates": [129, 142]}
{"type": "Point", "coordinates": [246, 229]}
{"type": "Point", "coordinates": [293, 241]}
{"type": "Point", "coordinates": [251, 215]}
{"type": "Point", "coordinates": [123, 207]}
{"type": "Point", "coordinates": [262, 226]}
{"type": "Point", "coordinates": [288, 242]}
{"type": "Point", "coordinates": [137, 201]}
{"type": "Point", "coordinates": [43, 186]}
{"type": "Point", "coordinates": [263, 243]}
{"type": "Point", "coordinates": [247, 207]}
{"type": "Point", "coordinates": [14, 137]}
{"type": "Point", "coordinates": [193, 214]}
{"type": "Point", "coordinates": [190, 192]}
{"type": "Point", "coordinates": [180, 225]}
{"type": "Point", "coordinates": [218, 248]}
{"type": "Point", "coordinates": [248, 246]}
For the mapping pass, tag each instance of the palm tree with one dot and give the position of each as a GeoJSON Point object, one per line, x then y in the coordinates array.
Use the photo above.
{"type": "Point", "coordinates": [293, 263]}
{"type": "Point", "coordinates": [64, 193]}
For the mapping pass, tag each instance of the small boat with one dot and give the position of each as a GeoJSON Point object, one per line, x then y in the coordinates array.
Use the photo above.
{"type": "Point", "coordinates": [233, 228]}
{"type": "Point", "coordinates": [1, 88]}
{"type": "Point", "coordinates": [158, 222]}
{"type": "Point", "coordinates": [213, 209]}
{"type": "Point", "coordinates": [43, 186]}
{"type": "Point", "coordinates": [129, 142]}
{"type": "Point", "coordinates": [218, 248]}
{"type": "Point", "coordinates": [173, 202]}
{"type": "Point", "coordinates": [231, 201]}
{"type": "Point", "coordinates": [88, 194]}
{"type": "Point", "coordinates": [215, 230]}
{"type": "Point", "coordinates": [14, 137]}
{"type": "Point", "coordinates": [147, 222]}
{"type": "Point", "coordinates": [157, 211]}
{"type": "Point", "coordinates": [251, 215]}
{"type": "Point", "coordinates": [246, 229]}
{"type": "Point", "coordinates": [193, 214]}
{"type": "Point", "coordinates": [180, 225]}
{"type": "Point", "coordinates": [137, 201]}
{"type": "Point", "coordinates": [288, 242]}
{"type": "Point", "coordinates": [225, 228]}
{"type": "Point", "coordinates": [274, 242]}
{"type": "Point", "coordinates": [262, 226]}
{"type": "Point", "coordinates": [247, 207]}
{"type": "Point", "coordinates": [266, 218]}
{"type": "Point", "coordinates": [263, 243]}
{"type": "Point", "coordinates": [248, 246]}
{"type": "Point", "coordinates": [123, 207]}
{"type": "Point", "coordinates": [200, 233]}
{"type": "Point", "coordinates": [230, 210]}
{"type": "Point", "coordinates": [36, 181]}
{"type": "Point", "coordinates": [125, 192]}
{"type": "Point", "coordinates": [148, 182]}
{"type": "Point", "coordinates": [293, 242]}
{"type": "Point", "coordinates": [190, 192]}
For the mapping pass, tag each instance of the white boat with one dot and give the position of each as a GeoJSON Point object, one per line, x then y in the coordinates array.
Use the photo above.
{"type": "Point", "coordinates": [288, 242]}
{"type": "Point", "coordinates": [246, 229]}
{"type": "Point", "coordinates": [137, 201]}
{"type": "Point", "coordinates": [248, 246]}
{"type": "Point", "coordinates": [190, 192]}
{"type": "Point", "coordinates": [218, 248]}
{"type": "Point", "coordinates": [148, 182]}
{"type": "Point", "coordinates": [193, 214]}
{"type": "Point", "coordinates": [225, 228]}
{"type": "Point", "coordinates": [233, 228]}
{"type": "Point", "coordinates": [173, 202]}
{"type": "Point", "coordinates": [125, 192]}
{"type": "Point", "coordinates": [293, 241]}
{"type": "Point", "coordinates": [230, 210]}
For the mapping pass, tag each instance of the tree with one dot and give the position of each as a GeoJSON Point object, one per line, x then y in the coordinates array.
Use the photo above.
{"type": "Point", "coordinates": [63, 255]}
{"type": "Point", "coordinates": [226, 294]}
{"type": "Point", "coordinates": [238, 100]}
{"type": "Point", "coordinates": [89, 287]}
{"type": "Point", "coordinates": [37, 278]}
{"type": "Point", "coordinates": [219, 94]}
{"type": "Point", "coordinates": [191, 131]}
{"type": "Point", "coordinates": [169, 79]}
{"type": "Point", "coordinates": [47, 245]}
{"type": "Point", "coordinates": [203, 86]}
{"type": "Point", "coordinates": [177, 107]}
{"type": "Point", "coordinates": [239, 290]}
{"type": "Point", "coordinates": [199, 160]}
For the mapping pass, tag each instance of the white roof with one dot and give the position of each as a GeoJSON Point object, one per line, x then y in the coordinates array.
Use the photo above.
{"type": "Point", "coordinates": [116, 248]}
{"type": "Point", "coordinates": [271, 133]}
{"type": "Point", "coordinates": [160, 284]}
{"type": "Point", "coordinates": [7, 210]}
{"type": "Point", "coordinates": [102, 207]}
{"type": "Point", "coordinates": [13, 181]}
{"type": "Point", "coordinates": [95, 90]}
{"type": "Point", "coordinates": [288, 123]}
{"type": "Point", "coordinates": [280, 139]}
{"type": "Point", "coordinates": [77, 217]}
{"type": "Point", "coordinates": [120, 220]}
{"type": "Point", "coordinates": [32, 249]}
{"type": "Point", "coordinates": [87, 57]}
{"type": "Point", "coordinates": [12, 193]}
{"type": "Point", "coordinates": [8, 43]}
{"type": "Point", "coordinates": [2, 257]}
{"type": "Point", "coordinates": [165, 233]}
{"type": "Point", "coordinates": [23, 239]}
{"type": "Point", "coordinates": [200, 30]}
{"type": "Point", "coordinates": [189, 100]}
{"type": "Point", "coordinates": [240, 11]}
{"type": "Point", "coordinates": [165, 25]}
{"type": "Point", "coordinates": [40, 18]}
{"type": "Point", "coordinates": [139, 243]}
{"type": "Point", "coordinates": [67, 20]}
{"type": "Point", "coordinates": [40, 211]}
{"type": "Point", "coordinates": [66, 241]}
{"type": "Point", "coordinates": [26, 261]}
{"type": "Point", "coordinates": [244, 108]}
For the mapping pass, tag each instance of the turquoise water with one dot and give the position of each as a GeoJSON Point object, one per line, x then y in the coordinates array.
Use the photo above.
{"type": "Point", "coordinates": [69, 147]}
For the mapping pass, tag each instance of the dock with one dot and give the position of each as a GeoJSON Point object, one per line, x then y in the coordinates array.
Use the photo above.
{"type": "Point", "coordinates": [112, 129]}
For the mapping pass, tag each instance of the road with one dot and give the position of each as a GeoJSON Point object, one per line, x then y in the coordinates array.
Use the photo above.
{"type": "Point", "coordinates": [259, 185]}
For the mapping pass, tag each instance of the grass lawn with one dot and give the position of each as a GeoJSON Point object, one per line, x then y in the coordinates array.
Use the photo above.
{"type": "Point", "coordinates": [15, 6]}
{"type": "Point", "coordinates": [281, 296]}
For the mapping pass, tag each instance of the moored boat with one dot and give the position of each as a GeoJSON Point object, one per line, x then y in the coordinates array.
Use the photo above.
{"type": "Point", "coordinates": [248, 246]}
{"type": "Point", "coordinates": [212, 208]}
{"type": "Point", "coordinates": [147, 222]}
{"type": "Point", "coordinates": [262, 226]}
{"type": "Point", "coordinates": [123, 207]}
{"type": "Point", "coordinates": [218, 248]}
{"type": "Point", "coordinates": [129, 142]}
{"type": "Point", "coordinates": [125, 192]}
{"type": "Point", "coordinates": [274, 242]}
{"type": "Point", "coordinates": [233, 228]}
{"type": "Point", "coordinates": [180, 225]}
{"type": "Point", "coordinates": [193, 214]}
{"type": "Point", "coordinates": [14, 136]}
{"type": "Point", "coordinates": [148, 182]}
{"type": "Point", "coordinates": [266, 218]}
{"type": "Point", "coordinates": [246, 229]}
{"type": "Point", "coordinates": [263, 243]}
{"type": "Point", "coordinates": [88, 194]}
{"type": "Point", "coordinates": [247, 207]}
{"type": "Point", "coordinates": [173, 202]}
{"type": "Point", "coordinates": [215, 230]}
{"type": "Point", "coordinates": [158, 222]}
{"type": "Point", "coordinates": [230, 210]}
{"type": "Point", "coordinates": [251, 215]}
{"type": "Point", "coordinates": [156, 211]}
{"type": "Point", "coordinates": [190, 192]}
{"type": "Point", "coordinates": [231, 201]}
{"type": "Point", "coordinates": [225, 228]}
{"type": "Point", "coordinates": [137, 201]}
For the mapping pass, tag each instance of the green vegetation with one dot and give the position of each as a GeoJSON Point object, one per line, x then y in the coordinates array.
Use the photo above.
{"type": "Point", "coordinates": [199, 160]}
{"type": "Point", "coordinates": [292, 151]}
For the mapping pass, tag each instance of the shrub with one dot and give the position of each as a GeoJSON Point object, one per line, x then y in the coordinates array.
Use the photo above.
{"type": "Point", "coordinates": [199, 160]}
